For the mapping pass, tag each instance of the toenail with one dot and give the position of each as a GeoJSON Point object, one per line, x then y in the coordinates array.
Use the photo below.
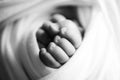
{"type": "Point", "coordinates": [43, 50]}
{"type": "Point", "coordinates": [57, 38]}
{"type": "Point", "coordinates": [52, 45]}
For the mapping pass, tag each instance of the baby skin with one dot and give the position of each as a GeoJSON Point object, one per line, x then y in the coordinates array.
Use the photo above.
{"type": "Point", "coordinates": [58, 41]}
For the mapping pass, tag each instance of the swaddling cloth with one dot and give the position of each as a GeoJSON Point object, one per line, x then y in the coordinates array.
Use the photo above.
{"type": "Point", "coordinates": [96, 59]}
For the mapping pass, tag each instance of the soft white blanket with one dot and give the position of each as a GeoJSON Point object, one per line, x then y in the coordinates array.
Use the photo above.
{"type": "Point", "coordinates": [98, 57]}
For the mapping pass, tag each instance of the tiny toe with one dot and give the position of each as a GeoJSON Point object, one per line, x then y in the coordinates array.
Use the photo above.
{"type": "Point", "coordinates": [65, 45]}
{"type": "Point", "coordinates": [58, 18]}
{"type": "Point", "coordinates": [57, 53]}
{"type": "Point", "coordinates": [47, 59]}
{"type": "Point", "coordinates": [51, 28]}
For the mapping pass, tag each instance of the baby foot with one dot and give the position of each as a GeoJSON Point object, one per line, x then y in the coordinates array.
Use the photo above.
{"type": "Point", "coordinates": [60, 41]}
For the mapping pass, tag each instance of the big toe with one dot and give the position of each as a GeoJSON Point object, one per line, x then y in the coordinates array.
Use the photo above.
{"type": "Point", "coordinates": [71, 31]}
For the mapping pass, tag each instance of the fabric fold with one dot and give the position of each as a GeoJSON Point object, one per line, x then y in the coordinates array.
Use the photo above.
{"type": "Point", "coordinates": [96, 59]}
